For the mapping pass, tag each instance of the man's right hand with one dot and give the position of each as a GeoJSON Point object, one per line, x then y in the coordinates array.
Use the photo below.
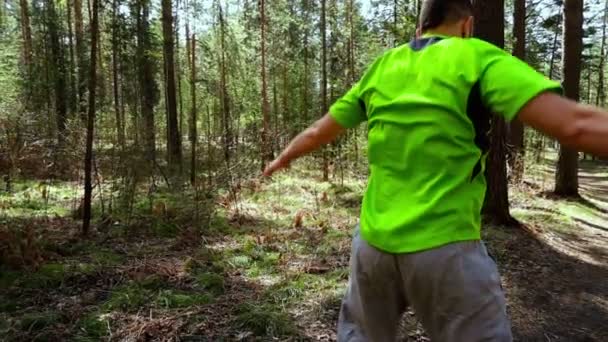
{"type": "Point", "coordinates": [276, 165]}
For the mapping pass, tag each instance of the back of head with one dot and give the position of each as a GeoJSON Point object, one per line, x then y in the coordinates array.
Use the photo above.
{"type": "Point", "coordinates": [436, 13]}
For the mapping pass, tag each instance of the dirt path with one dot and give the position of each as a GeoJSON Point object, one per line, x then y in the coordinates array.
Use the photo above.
{"type": "Point", "coordinates": [556, 284]}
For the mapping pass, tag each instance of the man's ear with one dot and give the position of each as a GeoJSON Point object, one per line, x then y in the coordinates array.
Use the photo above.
{"type": "Point", "coordinates": [470, 26]}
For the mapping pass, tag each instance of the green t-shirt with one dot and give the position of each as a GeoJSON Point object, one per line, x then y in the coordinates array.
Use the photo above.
{"type": "Point", "coordinates": [427, 140]}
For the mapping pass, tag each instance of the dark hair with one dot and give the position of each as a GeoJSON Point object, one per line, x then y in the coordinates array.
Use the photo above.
{"type": "Point", "coordinates": [437, 12]}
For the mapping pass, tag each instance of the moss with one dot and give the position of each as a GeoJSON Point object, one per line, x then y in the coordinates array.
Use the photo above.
{"type": "Point", "coordinates": [128, 298]}
{"type": "Point", "coordinates": [152, 282]}
{"type": "Point", "coordinates": [86, 269]}
{"type": "Point", "coordinates": [171, 299]}
{"type": "Point", "coordinates": [264, 320]}
{"type": "Point", "coordinates": [8, 278]}
{"type": "Point", "coordinates": [214, 283]}
{"type": "Point", "coordinates": [106, 257]}
{"type": "Point", "coordinates": [39, 320]}
{"type": "Point", "coordinates": [48, 276]}
{"type": "Point", "coordinates": [91, 327]}
{"type": "Point", "coordinates": [9, 304]}
{"type": "Point", "coordinates": [239, 261]}
{"type": "Point", "coordinates": [165, 229]}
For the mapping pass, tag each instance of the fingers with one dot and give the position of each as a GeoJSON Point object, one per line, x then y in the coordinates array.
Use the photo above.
{"type": "Point", "coordinates": [273, 167]}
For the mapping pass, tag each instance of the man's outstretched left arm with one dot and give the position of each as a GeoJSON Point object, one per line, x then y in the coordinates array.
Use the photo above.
{"type": "Point", "coordinates": [322, 132]}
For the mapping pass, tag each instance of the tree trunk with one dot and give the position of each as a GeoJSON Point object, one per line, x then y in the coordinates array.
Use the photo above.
{"type": "Point", "coordinates": [174, 153]}
{"type": "Point", "coordinates": [178, 73]}
{"type": "Point", "coordinates": [553, 53]}
{"type": "Point", "coordinates": [193, 112]}
{"type": "Point", "coordinates": [324, 81]}
{"type": "Point", "coordinates": [490, 27]}
{"type": "Point", "coordinates": [224, 96]}
{"type": "Point", "coordinates": [120, 131]}
{"type": "Point", "coordinates": [601, 93]}
{"type": "Point", "coordinates": [589, 87]}
{"type": "Point", "coordinates": [26, 34]}
{"type": "Point", "coordinates": [58, 67]}
{"type": "Point", "coordinates": [566, 182]}
{"type": "Point", "coordinates": [266, 148]}
{"type": "Point", "coordinates": [306, 76]}
{"type": "Point", "coordinates": [88, 188]}
{"type": "Point", "coordinates": [147, 82]}
{"type": "Point", "coordinates": [516, 155]}
{"type": "Point", "coordinates": [71, 76]}
{"type": "Point", "coordinates": [81, 59]}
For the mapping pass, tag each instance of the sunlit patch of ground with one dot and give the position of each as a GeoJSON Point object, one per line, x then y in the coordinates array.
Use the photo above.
{"type": "Point", "coordinates": [273, 264]}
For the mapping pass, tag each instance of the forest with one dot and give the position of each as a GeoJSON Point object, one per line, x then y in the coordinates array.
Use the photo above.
{"type": "Point", "coordinates": [133, 135]}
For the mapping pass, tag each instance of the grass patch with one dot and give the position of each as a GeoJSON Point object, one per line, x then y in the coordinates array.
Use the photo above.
{"type": "Point", "coordinates": [9, 304]}
{"type": "Point", "coordinates": [48, 276]}
{"type": "Point", "coordinates": [34, 198]}
{"type": "Point", "coordinates": [264, 320]}
{"type": "Point", "coordinates": [8, 277]}
{"type": "Point", "coordinates": [106, 257]}
{"type": "Point", "coordinates": [294, 290]}
{"type": "Point", "coordinates": [171, 299]}
{"type": "Point", "coordinates": [39, 320]}
{"type": "Point", "coordinates": [91, 327]}
{"type": "Point", "coordinates": [128, 298]}
{"type": "Point", "coordinates": [239, 261]}
{"type": "Point", "coordinates": [211, 282]}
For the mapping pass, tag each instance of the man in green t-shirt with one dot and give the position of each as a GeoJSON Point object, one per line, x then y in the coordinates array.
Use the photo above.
{"type": "Point", "coordinates": [419, 240]}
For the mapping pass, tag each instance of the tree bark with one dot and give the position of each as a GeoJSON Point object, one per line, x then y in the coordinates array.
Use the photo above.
{"type": "Point", "coordinates": [120, 131]}
{"type": "Point", "coordinates": [224, 96]}
{"type": "Point", "coordinates": [26, 34]}
{"type": "Point", "coordinates": [566, 182]}
{"type": "Point", "coordinates": [81, 59]}
{"type": "Point", "coordinates": [71, 76]}
{"type": "Point", "coordinates": [174, 153]}
{"type": "Point", "coordinates": [516, 155]}
{"type": "Point", "coordinates": [324, 81]}
{"type": "Point", "coordinates": [553, 53]}
{"type": "Point", "coordinates": [601, 92]}
{"type": "Point", "coordinates": [147, 82]}
{"type": "Point", "coordinates": [306, 76]}
{"type": "Point", "coordinates": [193, 111]}
{"type": "Point", "coordinates": [88, 188]}
{"type": "Point", "coordinates": [178, 73]}
{"type": "Point", "coordinates": [490, 27]}
{"type": "Point", "coordinates": [59, 73]}
{"type": "Point", "coordinates": [266, 147]}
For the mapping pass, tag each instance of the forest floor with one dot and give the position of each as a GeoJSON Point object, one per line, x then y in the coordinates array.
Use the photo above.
{"type": "Point", "coordinates": [274, 265]}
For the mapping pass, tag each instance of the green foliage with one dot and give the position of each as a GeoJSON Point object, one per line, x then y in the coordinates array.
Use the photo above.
{"type": "Point", "coordinates": [9, 304]}
{"type": "Point", "coordinates": [39, 320]}
{"type": "Point", "coordinates": [8, 277]}
{"type": "Point", "coordinates": [34, 199]}
{"type": "Point", "coordinates": [91, 327]}
{"type": "Point", "coordinates": [105, 256]}
{"type": "Point", "coordinates": [264, 320]}
{"type": "Point", "coordinates": [171, 299]}
{"type": "Point", "coordinates": [211, 282]}
{"type": "Point", "coordinates": [128, 298]}
{"type": "Point", "coordinates": [47, 277]}
{"type": "Point", "coordinates": [9, 77]}
{"type": "Point", "coordinates": [239, 261]}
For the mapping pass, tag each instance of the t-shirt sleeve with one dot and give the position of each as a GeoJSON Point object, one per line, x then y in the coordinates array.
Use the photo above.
{"type": "Point", "coordinates": [349, 111]}
{"type": "Point", "coordinates": [508, 84]}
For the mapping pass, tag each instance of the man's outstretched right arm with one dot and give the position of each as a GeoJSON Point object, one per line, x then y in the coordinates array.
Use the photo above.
{"type": "Point", "coordinates": [581, 127]}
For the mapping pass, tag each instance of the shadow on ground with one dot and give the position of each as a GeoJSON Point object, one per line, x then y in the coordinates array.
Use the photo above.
{"type": "Point", "coordinates": [551, 296]}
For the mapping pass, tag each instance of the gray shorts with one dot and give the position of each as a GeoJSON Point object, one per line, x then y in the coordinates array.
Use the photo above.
{"type": "Point", "coordinates": [454, 290]}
